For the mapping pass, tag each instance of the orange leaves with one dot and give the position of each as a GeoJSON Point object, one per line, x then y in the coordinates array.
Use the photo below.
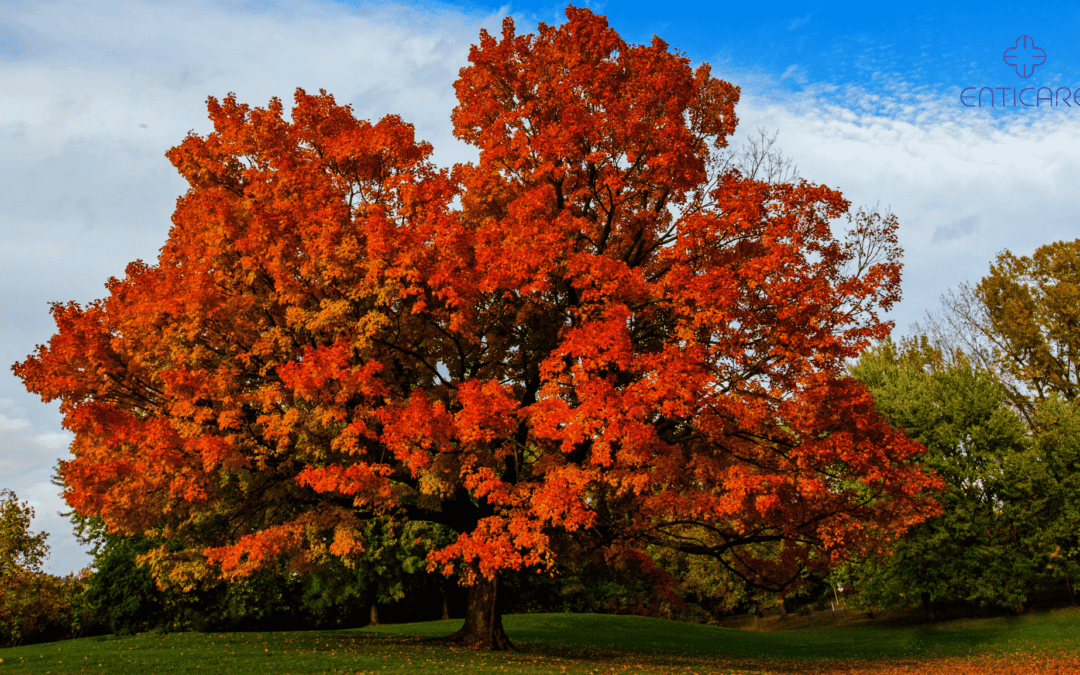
{"type": "Point", "coordinates": [578, 96]}
{"type": "Point", "coordinates": [299, 541]}
{"type": "Point", "coordinates": [218, 451]}
{"type": "Point", "coordinates": [122, 463]}
{"type": "Point", "coordinates": [76, 359]}
{"type": "Point", "coordinates": [483, 483]}
{"type": "Point", "coordinates": [412, 430]}
{"type": "Point", "coordinates": [254, 551]}
{"type": "Point", "coordinates": [561, 499]}
{"type": "Point", "coordinates": [303, 205]}
{"type": "Point", "coordinates": [309, 377]}
{"type": "Point", "coordinates": [370, 152]}
{"type": "Point", "coordinates": [495, 544]}
{"type": "Point", "coordinates": [603, 280]}
{"type": "Point", "coordinates": [347, 543]}
{"type": "Point", "coordinates": [488, 411]}
{"type": "Point", "coordinates": [365, 481]}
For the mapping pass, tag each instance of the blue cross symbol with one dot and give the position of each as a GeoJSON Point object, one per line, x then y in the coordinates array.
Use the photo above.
{"type": "Point", "coordinates": [1024, 56]}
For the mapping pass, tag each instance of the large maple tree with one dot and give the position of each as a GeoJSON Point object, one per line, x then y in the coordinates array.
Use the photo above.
{"type": "Point", "coordinates": [596, 331]}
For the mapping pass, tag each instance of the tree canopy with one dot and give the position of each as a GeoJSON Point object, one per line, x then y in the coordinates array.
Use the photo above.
{"type": "Point", "coordinates": [33, 604]}
{"type": "Point", "coordinates": [1022, 322]}
{"type": "Point", "coordinates": [598, 329]}
{"type": "Point", "coordinates": [1007, 527]}
{"type": "Point", "coordinates": [976, 443]}
{"type": "Point", "coordinates": [19, 550]}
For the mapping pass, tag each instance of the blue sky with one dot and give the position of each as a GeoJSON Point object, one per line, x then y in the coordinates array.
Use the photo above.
{"type": "Point", "coordinates": [903, 48]}
{"type": "Point", "coordinates": [864, 98]}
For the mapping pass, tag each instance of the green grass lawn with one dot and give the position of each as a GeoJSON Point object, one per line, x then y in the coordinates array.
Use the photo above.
{"type": "Point", "coordinates": [551, 643]}
{"type": "Point", "coordinates": [1056, 630]}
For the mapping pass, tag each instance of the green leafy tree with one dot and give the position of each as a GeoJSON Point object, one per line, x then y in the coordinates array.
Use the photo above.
{"type": "Point", "coordinates": [1022, 323]}
{"type": "Point", "coordinates": [978, 445]}
{"type": "Point", "coordinates": [124, 595]}
{"type": "Point", "coordinates": [120, 592]}
{"type": "Point", "coordinates": [1046, 500]}
{"type": "Point", "coordinates": [389, 568]}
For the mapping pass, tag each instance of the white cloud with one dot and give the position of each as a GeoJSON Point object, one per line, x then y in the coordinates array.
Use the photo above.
{"type": "Point", "coordinates": [8, 424]}
{"type": "Point", "coordinates": [55, 441]}
{"type": "Point", "coordinates": [965, 183]}
{"type": "Point", "coordinates": [798, 22]}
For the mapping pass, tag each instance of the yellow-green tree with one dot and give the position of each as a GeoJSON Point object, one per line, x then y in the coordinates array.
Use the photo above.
{"type": "Point", "coordinates": [33, 605]}
{"type": "Point", "coordinates": [1022, 322]}
{"type": "Point", "coordinates": [19, 550]}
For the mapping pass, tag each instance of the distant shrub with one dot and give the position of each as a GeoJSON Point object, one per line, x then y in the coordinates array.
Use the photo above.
{"type": "Point", "coordinates": [34, 606]}
{"type": "Point", "coordinates": [39, 607]}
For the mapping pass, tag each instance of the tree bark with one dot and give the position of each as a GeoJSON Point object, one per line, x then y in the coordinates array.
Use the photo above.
{"type": "Point", "coordinates": [483, 627]}
{"type": "Point", "coordinates": [445, 608]}
{"type": "Point", "coordinates": [782, 604]}
{"type": "Point", "coordinates": [373, 618]}
{"type": "Point", "coordinates": [928, 606]}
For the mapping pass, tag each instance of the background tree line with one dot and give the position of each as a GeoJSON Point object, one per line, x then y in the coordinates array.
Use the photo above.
{"type": "Point", "coordinates": [989, 387]}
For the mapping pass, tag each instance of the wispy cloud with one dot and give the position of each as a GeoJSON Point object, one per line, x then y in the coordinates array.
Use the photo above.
{"type": "Point", "coordinates": [7, 424]}
{"type": "Point", "coordinates": [798, 22]}
{"type": "Point", "coordinates": [954, 230]}
{"type": "Point", "coordinates": [795, 73]}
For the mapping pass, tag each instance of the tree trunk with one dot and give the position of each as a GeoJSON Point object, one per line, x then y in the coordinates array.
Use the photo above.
{"type": "Point", "coordinates": [483, 627]}
{"type": "Point", "coordinates": [928, 606]}
{"type": "Point", "coordinates": [1068, 585]}
{"type": "Point", "coordinates": [373, 619]}
{"type": "Point", "coordinates": [782, 604]}
{"type": "Point", "coordinates": [445, 608]}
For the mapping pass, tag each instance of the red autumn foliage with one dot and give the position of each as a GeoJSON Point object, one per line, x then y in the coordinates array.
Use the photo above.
{"type": "Point", "coordinates": [590, 330]}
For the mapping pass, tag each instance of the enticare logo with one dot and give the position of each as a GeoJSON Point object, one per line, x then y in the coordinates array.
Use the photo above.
{"type": "Point", "coordinates": [1023, 57]}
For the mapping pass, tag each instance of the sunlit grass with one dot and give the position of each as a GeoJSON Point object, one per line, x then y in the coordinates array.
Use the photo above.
{"type": "Point", "coordinates": [580, 644]}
